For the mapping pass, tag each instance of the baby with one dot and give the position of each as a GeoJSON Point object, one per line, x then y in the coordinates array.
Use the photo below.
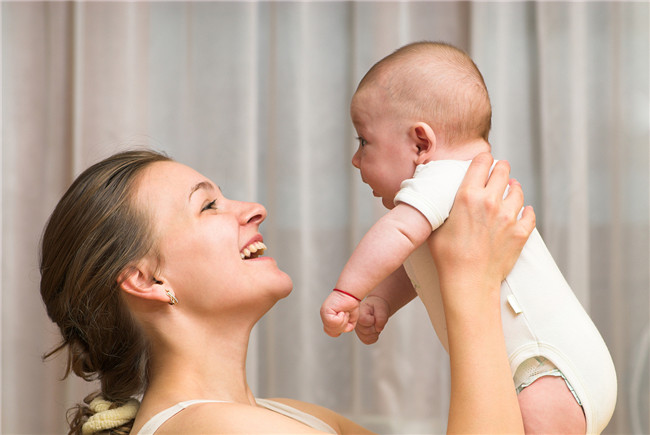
{"type": "Point", "coordinates": [422, 113]}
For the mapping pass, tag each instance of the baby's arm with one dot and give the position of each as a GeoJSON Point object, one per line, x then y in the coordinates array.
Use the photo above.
{"type": "Point", "coordinates": [381, 251]}
{"type": "Point", "coordinates": [385, 300]}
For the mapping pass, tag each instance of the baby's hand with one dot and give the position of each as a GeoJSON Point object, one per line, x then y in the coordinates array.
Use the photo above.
{"type": "Point", "coordinates": [339, 313]}
{"type": "Point", "coordinates": [373, 316]}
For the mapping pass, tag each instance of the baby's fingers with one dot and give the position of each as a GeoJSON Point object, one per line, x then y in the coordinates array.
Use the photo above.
{"type": "Point", "coordinates": [351, 320]}
{"type": "Point", "coordinates": [365, 328]}
{"type": "Point", "coordinates": [367, 334]}
{"type": "Point", "coordinates": [366, 316]}
{"type": "Point", "coordinates": [335, 323]}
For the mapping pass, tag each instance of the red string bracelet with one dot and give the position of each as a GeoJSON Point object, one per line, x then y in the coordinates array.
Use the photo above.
{"type": "Point", "coordinates": [346, 293]}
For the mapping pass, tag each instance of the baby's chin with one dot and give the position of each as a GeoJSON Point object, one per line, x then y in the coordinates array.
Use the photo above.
{"type": "Point", "coordinates": [388, 203]}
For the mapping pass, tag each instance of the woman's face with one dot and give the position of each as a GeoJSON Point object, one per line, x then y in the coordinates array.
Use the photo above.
{"type": "Point", "coordinates": [204, 241]}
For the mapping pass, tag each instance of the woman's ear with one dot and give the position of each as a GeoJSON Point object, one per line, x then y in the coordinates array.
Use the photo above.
{"type": "Point", "coordinates": [425, 139]}
{"type": "Point", "coordinates": [136, 282]}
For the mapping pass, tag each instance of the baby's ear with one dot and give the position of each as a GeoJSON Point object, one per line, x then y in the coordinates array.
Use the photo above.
{"type": "Point", "coordinates": [135, 281]}
{"type": "Point", "coordinates": [425, 140]}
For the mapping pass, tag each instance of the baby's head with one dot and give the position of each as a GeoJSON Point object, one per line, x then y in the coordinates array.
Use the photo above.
{"type": "Point", "coordinates": [435, 83]}
{"type": "Point", "coordinates": [426, 101]}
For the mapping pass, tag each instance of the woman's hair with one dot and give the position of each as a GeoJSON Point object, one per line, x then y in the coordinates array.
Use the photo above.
{"type": "Point", "coordinates": [95, 233]}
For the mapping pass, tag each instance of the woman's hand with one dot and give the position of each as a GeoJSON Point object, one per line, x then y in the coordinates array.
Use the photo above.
{"type": "Point", "coordinates": [481, 240]}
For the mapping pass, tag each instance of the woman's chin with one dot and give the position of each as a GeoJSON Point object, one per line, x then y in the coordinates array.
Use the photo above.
{"type": "Point", "coordinates": [287, 289]}
{"type": "Point", "coordinates": [280, 287]}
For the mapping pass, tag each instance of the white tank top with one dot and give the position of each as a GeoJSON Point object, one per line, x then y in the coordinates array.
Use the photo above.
{"type": "Point", "coordinates": [151, 426]}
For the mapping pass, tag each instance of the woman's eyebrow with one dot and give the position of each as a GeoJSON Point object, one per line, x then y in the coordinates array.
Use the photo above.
{"type": "Point", "coordinates": [206, 185]}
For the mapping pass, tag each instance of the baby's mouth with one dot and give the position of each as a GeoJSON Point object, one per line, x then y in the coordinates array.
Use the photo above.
{"type": "Point", "coordinates": [253, 250]}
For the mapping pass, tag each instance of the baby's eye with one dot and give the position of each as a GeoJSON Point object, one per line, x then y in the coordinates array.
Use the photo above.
{"type": "Point", "coordinates": [362, 141]}
{"type": "Point", "coordinates": [210, 206]}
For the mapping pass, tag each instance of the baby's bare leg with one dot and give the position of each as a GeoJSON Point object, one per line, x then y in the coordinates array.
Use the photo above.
{"type": "Point", "coordinates": [548, 407]}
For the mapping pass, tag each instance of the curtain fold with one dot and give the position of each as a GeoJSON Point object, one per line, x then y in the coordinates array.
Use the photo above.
{"type": "Point", "coordinates": [255, 96]}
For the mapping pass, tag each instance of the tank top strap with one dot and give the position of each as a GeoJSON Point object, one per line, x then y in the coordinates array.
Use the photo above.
{"type": "Point", "coordinates": [296, 414]}
{"type": "Point", "coordinates": [151, 426]}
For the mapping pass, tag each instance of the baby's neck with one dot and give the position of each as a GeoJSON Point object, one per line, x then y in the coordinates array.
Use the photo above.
{"type": "Point", "coordinates": [461, 151]}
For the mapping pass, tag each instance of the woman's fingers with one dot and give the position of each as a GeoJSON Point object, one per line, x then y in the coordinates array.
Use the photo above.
{"type": "Point", "coordinates": [480, 182]}
{"type": "Point", "coordinates": [528, 220]}
{"type": "Point", "coordinates": [514, 200]}
{"type": "Point", "coordinates": [483, 226]}
{"type": "Point", "coordinates": [478, 172]}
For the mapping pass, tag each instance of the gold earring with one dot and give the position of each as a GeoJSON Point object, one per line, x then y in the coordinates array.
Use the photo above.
{"type": "Point", "coordinates": [172, 298]}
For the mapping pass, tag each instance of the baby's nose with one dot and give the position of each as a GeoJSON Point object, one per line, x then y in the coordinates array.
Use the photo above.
{"type": "Point", "coordinates": [356, 160]}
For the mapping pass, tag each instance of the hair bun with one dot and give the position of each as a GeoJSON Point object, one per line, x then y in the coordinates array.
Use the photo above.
{"type": "Point", "coordinates": [106, 415]}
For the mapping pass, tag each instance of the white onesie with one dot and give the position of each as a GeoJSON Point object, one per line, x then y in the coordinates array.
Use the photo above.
{"type": "Point", "coordinates": [541, 316]}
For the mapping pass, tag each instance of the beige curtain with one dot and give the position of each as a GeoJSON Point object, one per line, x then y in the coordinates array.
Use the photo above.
{"type": "Point", "coordinates": [255, 95]}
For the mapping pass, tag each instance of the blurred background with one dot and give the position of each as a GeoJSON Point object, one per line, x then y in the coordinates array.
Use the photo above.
{"type": "Point", "coordinates": [255, 96]}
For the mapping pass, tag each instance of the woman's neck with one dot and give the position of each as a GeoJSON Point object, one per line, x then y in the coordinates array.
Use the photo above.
{"type": "Point", "coordinates": [200, 363]}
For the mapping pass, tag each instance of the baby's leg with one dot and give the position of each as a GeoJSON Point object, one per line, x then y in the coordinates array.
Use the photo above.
{"type": "Point", "coordinates": [548, 407]}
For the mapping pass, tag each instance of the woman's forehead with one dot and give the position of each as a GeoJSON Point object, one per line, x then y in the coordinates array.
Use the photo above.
{"type": "Point", "coordinates": [171, 179]}
{"type": "Point", "coordinates": [173, 172]}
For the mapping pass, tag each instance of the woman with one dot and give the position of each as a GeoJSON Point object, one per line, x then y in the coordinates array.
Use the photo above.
{"type": "Point", "coordinates": [155, 280]}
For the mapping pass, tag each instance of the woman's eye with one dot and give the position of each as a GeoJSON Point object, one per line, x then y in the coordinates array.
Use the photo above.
{"type": "Point", "coordinates": [210, 206]}
{"type": "Point", "coordinates": [362, 141]}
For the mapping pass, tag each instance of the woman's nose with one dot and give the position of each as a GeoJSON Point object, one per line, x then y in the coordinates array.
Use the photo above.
{"type": "Point", "coordinates": [252, 213]}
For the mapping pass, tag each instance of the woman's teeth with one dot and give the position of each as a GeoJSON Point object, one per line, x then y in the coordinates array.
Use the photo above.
{"type": "Point", "coordinates": [253, 250]}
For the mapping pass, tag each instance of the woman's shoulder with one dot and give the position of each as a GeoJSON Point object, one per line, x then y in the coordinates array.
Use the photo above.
{"type": "Point", "coordinates": [337, 421]}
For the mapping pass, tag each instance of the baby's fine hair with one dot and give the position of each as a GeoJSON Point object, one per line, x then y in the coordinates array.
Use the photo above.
{"type": "Point", "coordinates": [437, 83]}
{"type": "Point", "coordinates": [95, 233]}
